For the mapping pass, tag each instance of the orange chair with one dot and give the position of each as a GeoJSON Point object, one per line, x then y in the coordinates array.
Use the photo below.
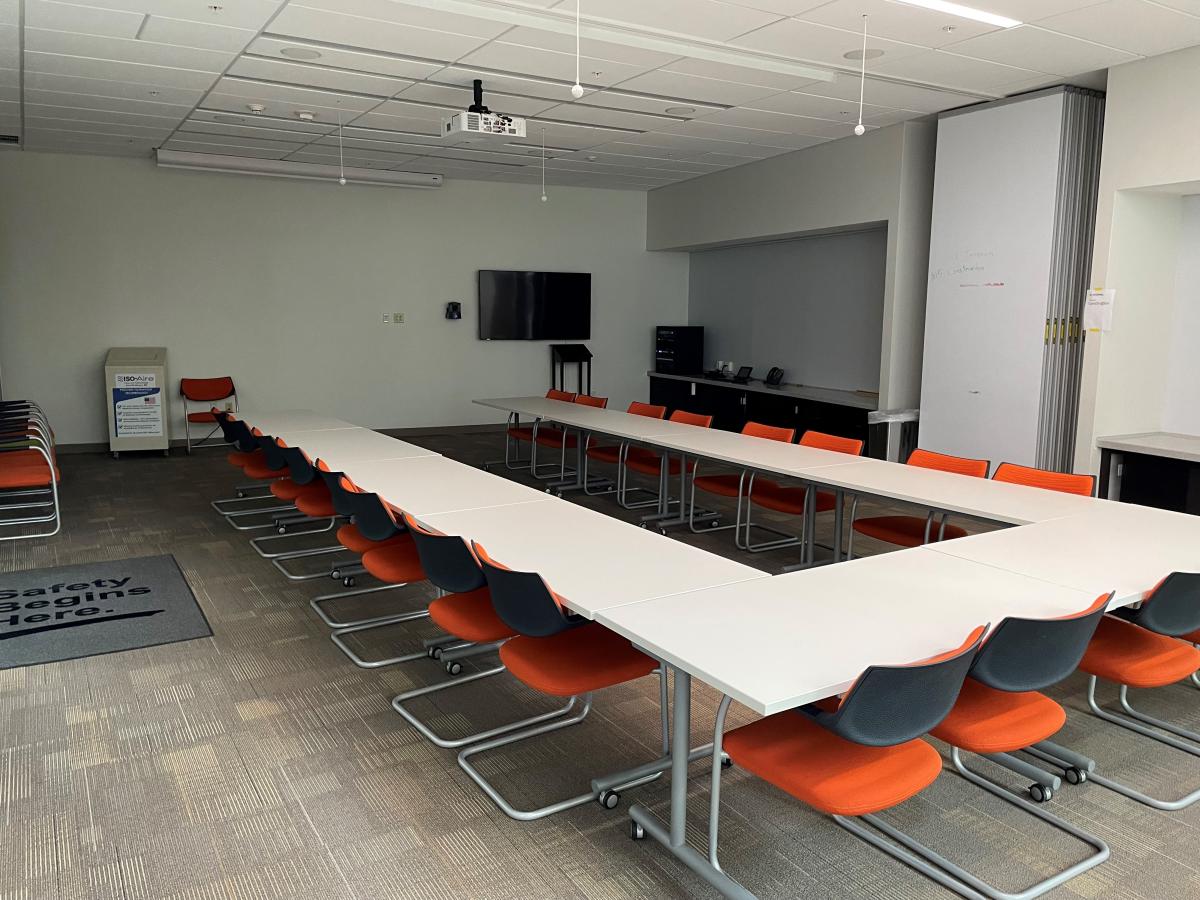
{"type": "Point", "coordinates": [247, 452]}
{"type": "Point", "coordinates": [852, 758]}
{"type": "Point", "coordinates": [29, 474]}
{"type": "Point", "coordinates": [516, 433]}
{"type": "Point", "coordinates": [559, 654]}
{"type": "Point", "coordinates": [614, 454]}
{"type": "Point", "coordinates": [792, 499]}
{"type": "Point", "coordinates": [1147, 647]}
{"type": "Point", "coordinates": [730, 485]}
{"type": "Point", "coordinates": [205, 391]}
{"type": "Point", "coordinates": [912, 531]}
{"type": "Point", "coordinates": [650, 462]}
{"type": "Point", "coordinates": [560, 439]}
{"type": "Point", "coordinates": [1067, 483]}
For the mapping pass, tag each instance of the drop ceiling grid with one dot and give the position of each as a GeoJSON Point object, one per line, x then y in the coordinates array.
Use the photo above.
{"type": "Point", "coordinates": [88, 60]}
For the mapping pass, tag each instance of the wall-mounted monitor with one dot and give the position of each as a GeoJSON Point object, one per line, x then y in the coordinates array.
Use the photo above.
{"type": "Point", "coordinates": [534, 306]}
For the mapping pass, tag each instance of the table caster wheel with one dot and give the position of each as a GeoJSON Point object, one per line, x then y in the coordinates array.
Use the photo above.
{"type": "Point", "coordinates": [1075, 775]}
{"type": "Point", "coordinates": [1040, 793]}
{"type": "Point", "coordinates": [636, 831]}
{"type": "Point", "coordinates": [609, 799]}
{"type": "Point", "coordinates": [435, 652]}
{"type": "Point", "coordinates": [453, 667]}
{"type": "Point", "coordinates": [348, 581]}
{"type": "Point", "coordinates": [726, 763]}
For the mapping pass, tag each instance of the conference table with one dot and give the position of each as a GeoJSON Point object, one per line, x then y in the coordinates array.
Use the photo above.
{"type": "Point", "coordinates": [775, 642]}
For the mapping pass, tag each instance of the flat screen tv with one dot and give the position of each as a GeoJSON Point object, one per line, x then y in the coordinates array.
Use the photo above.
{"type": "Point", "coordinates": [534, 306]}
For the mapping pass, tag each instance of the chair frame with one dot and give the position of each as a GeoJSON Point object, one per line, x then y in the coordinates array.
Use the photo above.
{"type": "Point", "coordinates": [32, 419]}
{"type": "Point", "coordinates": [206, 441]}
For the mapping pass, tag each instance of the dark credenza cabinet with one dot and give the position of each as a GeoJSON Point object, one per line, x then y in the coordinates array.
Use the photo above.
{"type": "Point", "coordinates": [732, 406]}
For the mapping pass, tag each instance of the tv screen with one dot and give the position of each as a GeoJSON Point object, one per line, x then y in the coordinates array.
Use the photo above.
{"type": "Point", "coordinates": [534, 306]}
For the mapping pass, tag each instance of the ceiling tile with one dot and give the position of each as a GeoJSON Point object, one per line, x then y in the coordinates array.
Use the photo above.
{"type": "Point", "coordinates": [541, 88]}
{"type": "Point", "coordinates": [357, 160]}
{"type": "Point", "coordinates": [82, 19]}
{"type": "Point", "coordinates": [55, 142]}
{"type": "Point", "coordinates": [372, 34]}
{"type": "Point", "coordinates": [458, 98]}
{"type": "Point", "coordinates": [589, 47]}
{"type": "Point", "coordinates": [798, 103]}
{"type": "Point", "coordinates": [411, 110]}
{"type": "Point", "coordinates": [409, 14]}
{"type": "Point", "coordinates": [10, 12]}
{"type": "Point", "coordinates": [124, 50]}
{"type": "Point", "coordinates": [69, 84]}
{"type": "Point", "coordinates": [895, 95]}
{"type": "Point", "coordinates": [344, 58]}
{"type": "Point", "coordinates": [250, 120]}
{"type": "Point", "coordinates": [747, 135]}
{"type": "Point", "coordinates": [955, 71]}
{"type": "Point", "coordinates": [218, 149]}
{"type": "Point", "coordinates": [1033, 48]}
{"type": "Point", "coordinates": [285, 100]}
{"type": "Point", "coordinates": [739, 74]}
{"type": "Point", "coordinates": [195, 34]}
{"type": "Point", "coordinates": [610, 118]}
{"type": "Point", "coordinates": [251, 14]}
{"type": "Point", "coordinates": [231, 129]}
{"type": "Point", "coordinates": [795, 39]}
{"type": "Point", "coordinates": [113, 70]}
{"type": "Point", "coordinates": [429, 128]}
{"type": "Point", "coordinates": [695, 87]}
{"type": "Point", "coordinates": [897, 21]}
{"type": "Point", "coordinates": [317, 76]}
{"type": "Point", "coordinates": [100, 116]}
{"type": "Point", "coordinates": [1132, 25]}
{"type": "Point", "coordinates": [120, 132]}
{"type": "Point", "coordinates": [9, 44]}
{"type": "Point", "coordinates": [1030, 10]}
{"type": "Point", "coordinates": [507, 57]}
{"type": "Point", "coordinates": [617, 99]}
{"type": "Point", "coordinates": [708, 19]}
{"type": "Point", "coordinates": [146, 106]}
{"type": "Point", "coordinates": [798, 124]}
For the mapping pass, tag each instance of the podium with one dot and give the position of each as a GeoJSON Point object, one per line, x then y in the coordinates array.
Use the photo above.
{"type": "Point", "coordinates": [563, 354]}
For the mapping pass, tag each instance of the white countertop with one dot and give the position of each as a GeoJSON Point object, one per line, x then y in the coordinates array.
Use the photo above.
{"type": "Point", "coordinates": [592, 560]}
{"type": "Point", "coordinates": [1155, 443]}
{"type": "Point", "coordinates": [779, 642]}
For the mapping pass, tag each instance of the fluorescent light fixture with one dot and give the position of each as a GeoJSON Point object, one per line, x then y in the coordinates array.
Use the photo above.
{"type": "Point", "coordinates": [964, 12]}
{"type": "Point", "coordinates": [278, 168]}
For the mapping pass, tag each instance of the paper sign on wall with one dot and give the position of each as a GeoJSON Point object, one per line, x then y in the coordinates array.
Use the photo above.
{"type": "Point", "coordinates": [1098, 310]}
{"type": "Point", "coordinates": [137, 405]}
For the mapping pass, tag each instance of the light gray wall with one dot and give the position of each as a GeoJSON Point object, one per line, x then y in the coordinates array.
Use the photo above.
{"type": "Point", "coordinates": [811, 305]}
{"type": "Point", "coordinates": [283, 284]}
{"type": "Point", "coordinates": [884, 177]}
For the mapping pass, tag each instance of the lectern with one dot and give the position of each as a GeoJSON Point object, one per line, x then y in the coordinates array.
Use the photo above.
{"type": "Point", "coordinates": [560, 356]}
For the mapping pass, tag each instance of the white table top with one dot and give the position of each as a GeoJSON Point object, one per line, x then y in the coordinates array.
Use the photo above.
{"type": "Point", "coordinates": [592, 560]}
{"type": "Point", "coordinates": [779, 642]}
{"type": "Point", "coordinates": [1155, 443]}
{"type": "Point", "coordinates": [612, 422]}
{"type": "Point", "coordinates": [273, 422]}
{"type": "Point", "coordinates": [434, 484]}
{"type": "Point", "coordinates": [1121, 547]}
{"type": "Point", "coordinates": [341, 447]}
{"type": "Point", "coordinates": [1015, 504]}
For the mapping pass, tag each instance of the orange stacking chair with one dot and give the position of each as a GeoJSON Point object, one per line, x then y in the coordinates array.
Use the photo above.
{"type": "Point", "coordinates": [912, 531]}
{"type": "Point", "coordinates": [650, 462]}
{"type": "Point", "coordinates": [314, 506]}
{"type": "Point", "coordinates": [466, 613]}
{"type": "Point", "coordinates": [614, 454]}
{"type": "Point", "coordinates": [560, 439]}
{"type": "Point", "coordinates": [792, 499]}
{"type": "Point", "coordinates": [516, 434]}
{"type": "Point", "coordinates": [559, 654]}
{"type": "Point", "coordinates": [1001, 710]}
{"type": "Point", "coordinates": [852, 758]}
{"type": "Point", "coordinates": [204, 391]}
{"type": "Point", "coordinates": [730, 485]}
{"type": "Point", "coordinates": [246, 452]}
{"type": "Point", "coordinates": [29, 473]}
{"type": "Point", "coordinates": [1147, 647]}
{"type": "Point", "coordinates": [1067, 483]}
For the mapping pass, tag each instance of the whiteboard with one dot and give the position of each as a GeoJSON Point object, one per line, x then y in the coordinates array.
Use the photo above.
{"type": "Point", "coordinates": [995, 187]}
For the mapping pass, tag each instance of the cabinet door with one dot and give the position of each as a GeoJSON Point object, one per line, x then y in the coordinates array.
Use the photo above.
{"type": "Point", "coordinates": [726, 405]}
{"type": "Point", "coordinates": [671, 393]}
{"type": "Point", "coordinates": [779, 410]}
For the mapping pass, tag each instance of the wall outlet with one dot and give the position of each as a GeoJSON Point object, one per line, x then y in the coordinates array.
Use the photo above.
{"type": "Point", "coordinates": [387, 319]}
{"type": "Point", "coordinates": [397, 318]}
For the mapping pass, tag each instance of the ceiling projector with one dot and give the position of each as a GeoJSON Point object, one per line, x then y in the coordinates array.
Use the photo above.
{"type": "Point", "coordinates": [478, 119]}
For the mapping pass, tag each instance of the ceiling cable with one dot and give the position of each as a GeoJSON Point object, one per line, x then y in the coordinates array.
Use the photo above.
{"type": "Point", "coordinates": [341, 154]}
{"type": "Point", "coordinates": [861, 129]}
{"type": "Point", "coordinates": [543, 165]}
{"type": "Point", "coordinates": [577, 88]}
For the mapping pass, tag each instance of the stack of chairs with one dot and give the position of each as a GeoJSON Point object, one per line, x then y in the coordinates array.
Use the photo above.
{"type": "Point", "coordinates": [29, 473]}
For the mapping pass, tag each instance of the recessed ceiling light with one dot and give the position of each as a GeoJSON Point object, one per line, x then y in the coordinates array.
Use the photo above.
{"type": "Point", "coordinates": [680, 110]}
{"type": "Point", "coordinates": [305, 116]}
{"type": "Point", "coordinates": [965, 12]}
{"type": "Point", "coordinates": [256, 108]}
{"type": "Point", "coordinates": [872, 53]}
{"type": "Point", "coordinates": [299, 53]}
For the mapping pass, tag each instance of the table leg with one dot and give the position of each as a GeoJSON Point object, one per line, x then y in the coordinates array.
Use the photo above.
{"type": "Point", "coordinates": [674, 838]}
{"type": "Point", "coordinates": [561, 487]}
{"type": "Point", "coordinates": [838, 522]}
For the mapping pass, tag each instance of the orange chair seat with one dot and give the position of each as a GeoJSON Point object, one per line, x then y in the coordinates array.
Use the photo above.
{"type": "Point", "coordinates": [1193, 638]}
{"type": "Point", "coordinates": [257, 468]}
{"type": "Point", "coordinates": [724, 485]}
{"type": "Point", "coordinates": [647, 462]}
{"type": "Point", "coordinates": [241, 458]}
{"type": "Point", "coordinates": [572, 662]}
{"type": "Point", "coordinates": [905, 531]}
{"type": "Point", "coordinates": [1129, 654]}
{"type": "Point", "coordinates": [521, 433]}
{"type": "Point", "coordinates": [827, 772]}
{"type": "Point", "coordinates": [396, 563]}
{"type": "Point", "coordinates": [201, 417]}
{"type": "Point", "coordinates": [13, 459]}
{"type": "Point", "coordinates": [985, 720]}
{"type": "Point", "coordinates": [286, 489]}
{"type": "Point", "coordinates": [315, 500]}
{"type": "Point", "coordinates": [554, 438]}
{"type": "Point", "coordinates": [352, 539]}
{"type": "Point", "coordinates": [27, 476]}
{"type": "Point", "coordinates": [605, 454]}
{"type": "Point", "coordinates": [469, 616]}
{"type": "Point", "coordinates": [782, 499]}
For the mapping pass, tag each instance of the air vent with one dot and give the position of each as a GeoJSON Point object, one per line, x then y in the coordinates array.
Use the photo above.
{"type": "Point", "coordinates": [9, 139]}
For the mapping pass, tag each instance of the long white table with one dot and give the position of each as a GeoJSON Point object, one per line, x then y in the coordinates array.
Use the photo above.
{"type": "Point", "coordinates": [276, 422]}
{"type": "Point", "coordinates": [427, 485]}
{"type": "Point", "coordinates": [341, 447]}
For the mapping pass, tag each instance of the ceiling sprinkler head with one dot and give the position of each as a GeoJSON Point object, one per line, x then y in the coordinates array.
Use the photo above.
{"type": "Point", "coordinates": [256, 108]}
